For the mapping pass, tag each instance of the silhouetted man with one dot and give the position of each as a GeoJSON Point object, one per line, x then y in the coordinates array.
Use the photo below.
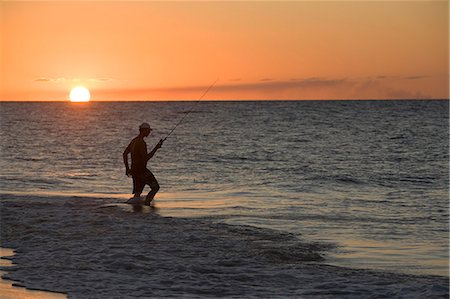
{"type": "Point", "coordinates": [139, 158]}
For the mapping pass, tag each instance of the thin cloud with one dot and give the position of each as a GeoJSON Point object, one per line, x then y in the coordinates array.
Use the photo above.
{"type": "Point", "coordinates": [41, 79]}
{"type": "Point", "coordinates": [415, 77]}
{"type": "Point", "coordinates": [375, 87]}
{"type": "Point", "coordinates": [257, 90]}
{"type": "Point", "coordinates": [380, 88]}
{"type": "Point", "coordinates": [45, 79]}
{"type": "Point", "coordinates": [100, 79]}
{"type": "Point", "coordinates": [62, 79]}
{"type": "Point", "coordinates": [281, 85]}
{"type": "Point", "coordinates": [252, 86]}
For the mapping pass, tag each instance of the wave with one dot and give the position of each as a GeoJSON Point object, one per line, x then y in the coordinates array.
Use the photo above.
{"type": "Point", "coordinates": [77, 247]}
{"type": "Point", "coordinates": [346, 179]}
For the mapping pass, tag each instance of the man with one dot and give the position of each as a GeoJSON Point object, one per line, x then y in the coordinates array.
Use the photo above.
{"type": "Point", "coordinates": [139, 158]}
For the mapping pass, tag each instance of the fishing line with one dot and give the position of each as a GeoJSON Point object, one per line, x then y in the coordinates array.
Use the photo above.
{"type": "Point", "coordinates": [190, 110]}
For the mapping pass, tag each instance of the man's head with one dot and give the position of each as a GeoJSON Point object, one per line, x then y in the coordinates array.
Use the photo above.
{"type": "Point", "coordinates": [144, 129]}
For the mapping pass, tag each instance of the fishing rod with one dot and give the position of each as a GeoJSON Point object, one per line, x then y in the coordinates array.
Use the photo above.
{"type": "Point", "coordinates": [190, 110]}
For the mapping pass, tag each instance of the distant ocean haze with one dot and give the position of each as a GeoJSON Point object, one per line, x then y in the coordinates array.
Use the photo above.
{"type": "Point", "coordinates": [370, 178]}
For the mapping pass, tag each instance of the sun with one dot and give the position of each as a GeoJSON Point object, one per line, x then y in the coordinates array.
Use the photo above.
{"type": "Point", "coordinates": [80, 94]}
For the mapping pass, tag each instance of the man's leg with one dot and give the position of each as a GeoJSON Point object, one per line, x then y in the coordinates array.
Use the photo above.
{"type": "Point", "coordinates": [137, 190]}
{"type": "Point", "coordinates": [138, 186]}
{"type": "Point", "coordinates": [153, 183]}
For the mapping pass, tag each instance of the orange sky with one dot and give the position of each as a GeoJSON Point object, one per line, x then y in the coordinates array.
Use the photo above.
{"type": "Point", "coordinates": [259, 50]}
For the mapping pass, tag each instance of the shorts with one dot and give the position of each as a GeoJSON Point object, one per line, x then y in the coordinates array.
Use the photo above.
{"type": "Point", "coordinates": [142, 179]}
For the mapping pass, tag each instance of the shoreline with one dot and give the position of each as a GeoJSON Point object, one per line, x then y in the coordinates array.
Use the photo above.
{"type": "Point", "coordinates": [113, 253]}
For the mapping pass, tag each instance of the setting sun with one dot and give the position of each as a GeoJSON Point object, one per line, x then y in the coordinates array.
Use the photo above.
{"type": "Point", "coordinates": [79, 94]}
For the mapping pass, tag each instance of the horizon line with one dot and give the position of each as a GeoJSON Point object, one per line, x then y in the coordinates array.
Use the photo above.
{"type": "Point", "coordinates": [226, 100]}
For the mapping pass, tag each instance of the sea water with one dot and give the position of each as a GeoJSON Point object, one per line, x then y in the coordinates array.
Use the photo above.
{"type": "Point", "coordinates": [370, 178]}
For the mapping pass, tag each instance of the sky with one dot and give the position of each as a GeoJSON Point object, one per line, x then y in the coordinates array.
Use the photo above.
{"type": "Point", "coordinates": [258, 50]}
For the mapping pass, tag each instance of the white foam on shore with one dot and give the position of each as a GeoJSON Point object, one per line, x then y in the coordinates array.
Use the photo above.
{"type": "Point", "coordinates": [91, 248]}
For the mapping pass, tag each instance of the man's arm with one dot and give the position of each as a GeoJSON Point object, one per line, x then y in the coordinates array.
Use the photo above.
{"type": "Point", "coordinates": [125, 159]}
{"type": "Point", "coordinates": [152, 153]}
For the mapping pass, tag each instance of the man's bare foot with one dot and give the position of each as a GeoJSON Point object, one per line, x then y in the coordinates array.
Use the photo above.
{"type": "Point", "coordinates": [135, 200]}
{"type": "Point", "coordinates": [148, 201]}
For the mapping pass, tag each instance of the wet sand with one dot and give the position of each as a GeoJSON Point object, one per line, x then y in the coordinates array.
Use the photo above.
{"type": "Point", "coordinates": [9, 288]}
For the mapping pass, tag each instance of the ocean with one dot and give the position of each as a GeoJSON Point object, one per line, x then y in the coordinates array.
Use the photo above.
{"type": "Point", "coordinates": [367, 180]}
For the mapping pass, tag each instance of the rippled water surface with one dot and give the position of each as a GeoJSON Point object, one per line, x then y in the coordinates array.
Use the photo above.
{"type": "Point", "coordinates": [368, 177]}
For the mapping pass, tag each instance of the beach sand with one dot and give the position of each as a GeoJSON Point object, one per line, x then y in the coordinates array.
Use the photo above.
{"type": "Point", "coordinates": [93, 248]}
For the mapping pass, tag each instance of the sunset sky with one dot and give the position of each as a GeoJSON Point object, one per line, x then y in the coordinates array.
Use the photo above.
{"type": "Point", "coordinates": [167, 50]}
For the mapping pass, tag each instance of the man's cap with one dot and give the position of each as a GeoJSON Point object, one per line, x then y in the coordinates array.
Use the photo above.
{"type": "Point", "coordinates": [145, 126]}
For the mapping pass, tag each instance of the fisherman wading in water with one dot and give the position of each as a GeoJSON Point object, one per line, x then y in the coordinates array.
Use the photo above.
{"type": "Point", "coordinates": [139, 158]}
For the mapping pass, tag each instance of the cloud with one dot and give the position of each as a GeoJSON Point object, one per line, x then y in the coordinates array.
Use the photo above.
{"type": "Point", "coordinates": [100, 79]}
{"type": "Point", "coordinates": [63, 80]}
{"type": "Point", "coordinates": [308, 88]}
{"type": "Point", "coordinates": [273, 85]}
{"type": "Point", "coordinates": [397, 93]}
{"type": "Point", "coordinates": [382, 77]}
{"type": "Point", "coordinates": [374, 87]}
{"type": "Point", "coordinates": [45, 79]}
{"type": "Point", "coordinates": [41, 79]}
{"type": "Point", "coordinates": [414, 77]}
{"type": "Point", "coordinates": [266, 85]}
{"type": "Point", "coordinates": [389, 87]}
